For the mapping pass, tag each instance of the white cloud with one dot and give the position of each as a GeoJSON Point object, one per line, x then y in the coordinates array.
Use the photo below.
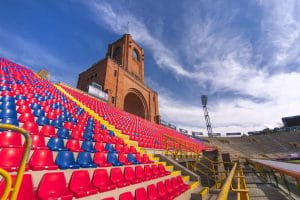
{"type": "Point", "coordinates": [117, 21]}
{"type": "Point", "coordinates": [228, 62]}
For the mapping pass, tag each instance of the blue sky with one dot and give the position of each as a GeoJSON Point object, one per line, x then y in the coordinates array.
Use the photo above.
{"type": "Point", "coordinates": [244, 55]}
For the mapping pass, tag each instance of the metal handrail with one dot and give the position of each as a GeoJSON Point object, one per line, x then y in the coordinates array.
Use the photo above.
{"type": "Point", "coordinates": [226, 186]}
{"type": "Point", "coordinates": [8, 187]}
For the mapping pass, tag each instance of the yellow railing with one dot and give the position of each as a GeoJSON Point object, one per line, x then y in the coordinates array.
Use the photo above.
{"type": "Point", "coordinates": [240, 183]}
{"type": "Point", "coordinates": [14, 190]}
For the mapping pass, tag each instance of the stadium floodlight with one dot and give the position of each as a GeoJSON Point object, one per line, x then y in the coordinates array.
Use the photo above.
{"type": "Point", "coordinates": [206, 115]}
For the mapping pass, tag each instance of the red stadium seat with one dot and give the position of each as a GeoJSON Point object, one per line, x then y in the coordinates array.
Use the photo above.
{"type": "Point", "coordinates": [141, 194]}
{"type": "Point", "coordinates": [155, 171]}
{"type": "Point", "coordinates": [42, 160]}
{"type": "Point", "coordinates": [102, 181]}
{"type": "Point", "coordinates": [182, 184]}
{"type": "Point", "coordinates": [146, 159]}
{"type": "Point", "coordinates": [123, 159]}
{"type": "Point", "coordinates": [48, 131]}
{"type": "Point", "coordinates": [140, 173]}
{"type": "Point", "coordinates": [10, 139]}
{"type": "Point", "coordinates": [73, 145]}
{"type": "Point", "coordinates": [170, 189]}
{"type": "Point", "coordinates": [126, 196]}
{"type": "Point", "coordinates": [26, 190]}
{"type": "Point", "coordinates": [10, 158]}
{"type": "Point", "coordinates": [117, 178]}
{"type": "Point", "coordinates": [31, 127]}
{"type": "Point", "coordinates": [130, 176]}
{"type": "Point", "coordinates": [109, 198]}
{"type": "Point", "coordinates": [100, 160]}
{"type": "Point", "coordinates": [148, 172]}
{"type": "Point", "coordinates": [100, 147]}
{"type": "Point", "coordinates": [162, 170]}
{"type": "Point", "coordinates": [161, 189]}
{"type": "Point", "coordinates": [53, 186]}
{"type": "Point", "coordinates": [152, 192]}
{"type": "Point", "coordinates": [38, 142]}
{"type": "Point", "coordinates": [80, 184]}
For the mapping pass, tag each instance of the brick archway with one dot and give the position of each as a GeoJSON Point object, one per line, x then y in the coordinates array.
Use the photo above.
{"type": "Point", "coordinates": [135, 103]}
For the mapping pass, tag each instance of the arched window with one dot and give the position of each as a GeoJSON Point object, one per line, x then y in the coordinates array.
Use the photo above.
{"type": "Point", "coordinates": [135, 55]}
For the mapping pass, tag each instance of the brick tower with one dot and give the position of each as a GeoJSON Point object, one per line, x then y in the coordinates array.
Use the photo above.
{"type": "Point", "coordinates": [121, 75]}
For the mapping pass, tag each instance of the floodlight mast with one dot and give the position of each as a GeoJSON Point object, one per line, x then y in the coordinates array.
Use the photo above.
{"type": "Point", "coordinates": [206, 115]}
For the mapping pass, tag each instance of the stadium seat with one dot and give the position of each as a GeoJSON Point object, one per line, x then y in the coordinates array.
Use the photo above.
{"type": "Point", "coordinates": [31, 127]}
{"type": "Point", "coordinates": [117, 178]}
{"type": "Point", "coordinates": [148, 172]}
{"type": "Point", "coordinates": [54, 186]}
{"type": "Point", "coordinates": [182, 184]}
{"type": "Point", "coordinates": [10, 158]}
{"type": "Point", "coordinates": [109, 198]}
{"type": "Point", "coordinates": [42, 160]}
{"type": "Point", "coordinates": [65, 160]}
{"type": "Point", "coordinates": [88, 146]}
{"type": "Point", "coordinates": [141, 194]}
{"type": "Point", "coordinates": [38, 142]}
{"type": "Point", "coordinates": [172, 193]}
{"type": "Point", "coordinates": [56, 144]}
{"type": "Point", "coordinates": [100, 147]}
{"type": "Point", "coordinates": [146, 159]}
{"type": "Point", "coordinates": [26, 190]}
{"type": "Point", "coordinates": [80, 184]}
{"type": "Point", "coordinates": [162, 170]}
{"type": "Point", "coordinates": [84, 159]}
{"type": "Point", "coordinates": [123, 159]}
{"type": "Point", "coordinates": [126, 196]}
{"type": "Point", "coordinates": [155, 171]}
{"type": "Point", "coordinates": [63, 133]}
{"type": "Point", "coordinates": [131, 158]}
{"type": "Point", "coordinates": [113, 159]}
{"type": "Point", "coordinates": [102, 181]}
{"type": "Point", "coordinates": [110, 148]}
{"type": "Point", "coordinates": [48, 131]}
{"type": "Point", "coordinates": [140, 173]}
{"type": "Point", "coordinates": [10, 139]}
{"type": "Point", "coordinates": [152, 192]}
{"type": "Point", "coordinates": [73, 145]}
{"type": "Point", "coordinates": [161, 189]}
{"type": "Point", "coordinates": [130, 176]}
{"type": "Point", "coordinates": [100, 160]}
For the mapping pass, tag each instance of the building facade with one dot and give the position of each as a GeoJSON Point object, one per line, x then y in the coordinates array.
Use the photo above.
{"type": "Point", "coordinates": [121, 75]}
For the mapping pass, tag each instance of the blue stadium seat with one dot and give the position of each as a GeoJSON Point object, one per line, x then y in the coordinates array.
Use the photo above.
{"type": "Point", "coordinates": [85, 160]}
{"type": "Point", "coordinates": [42, 120]}
{"type": "Point", "coordinates": [110, 148]}
{"type": "Point", "coordinates": [56, 144]}
{"type": "Point", "coordinates": [57, 123]}
{"type": "Point", "coordinates": [131, 158]}
{"type": "Point", "coordinates": [65, 160]}
{"type": "Point", "coordinates": [113, 159]}
{"type": "Point", "coordinates": [88, 146]}
{"type": "Point", "coordinates": [38, 112]}
{"type": "Point", "coordinates": [63, 133]}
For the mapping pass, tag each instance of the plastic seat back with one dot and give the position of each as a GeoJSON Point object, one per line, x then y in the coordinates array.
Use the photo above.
{"type": "Point", "coordinates": [65, 160]}
{"type": "Point", "coordinates": [56, 144]}
{"type": "Point", "coordinates": [141, 194]}
{"type": "Point", "coordinates": [84, 159]}
{"type": "Point", "coordinates": [73, 145]}
{"type": "Point", "coordinates": [10, 139]}
{"type": "Point", "coordinates": [126, 196]}
{"type": "Point", "coordinates": [80, 184]}
{"type": "Point", "coordinates": [38, 142]}
{"type": "Point", "coordinates": [116, 175]}
{"type": "Point", "coordinates": [26, 190]}
{"type": "Point", "coordinates": [10, 158]}
{"type": "Point", "coordinates": [53, 185]}
{"type": "Point", "coordinates": [42, 159]}
{"type": "Point", "coordinates": [152, 192]}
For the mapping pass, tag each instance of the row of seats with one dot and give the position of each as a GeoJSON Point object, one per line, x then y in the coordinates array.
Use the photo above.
{"type": "Point", "coordinates": [42, 159]}
{"type": "Point", "coordinates": [163, 190]}
{"type": "Point", "coordinates": [54, 185]}
{"type": "Point", "coordinates": [12, 139]}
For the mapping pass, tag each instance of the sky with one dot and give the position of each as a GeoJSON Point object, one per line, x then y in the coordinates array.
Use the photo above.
{"type": "Point", "coordinates": [244, 55]}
